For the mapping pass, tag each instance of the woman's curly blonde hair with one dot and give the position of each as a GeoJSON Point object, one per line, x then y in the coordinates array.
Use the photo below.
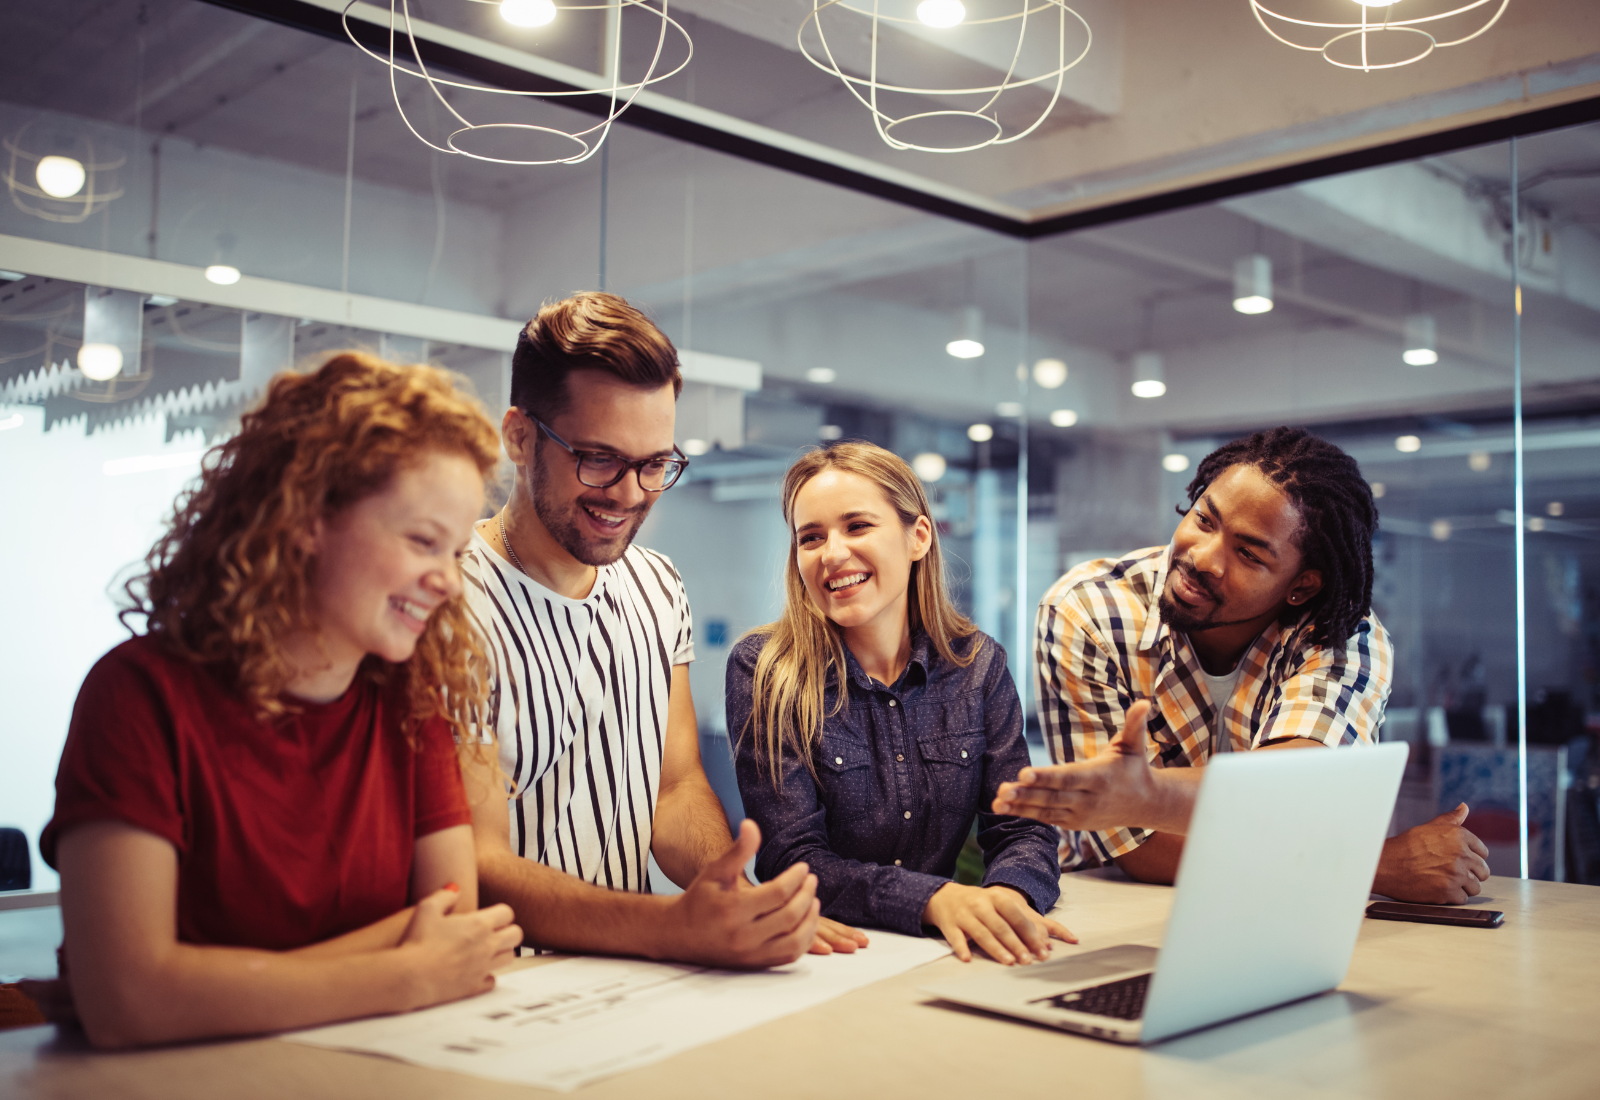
{"type": "Point", "coordinates": [230, 579]}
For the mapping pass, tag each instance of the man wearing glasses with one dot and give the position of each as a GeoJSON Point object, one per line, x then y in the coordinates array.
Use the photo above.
{"type": "Point", "coordinates": [589, 641]}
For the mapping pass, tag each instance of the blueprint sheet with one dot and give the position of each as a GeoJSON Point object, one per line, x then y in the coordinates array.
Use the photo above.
{"type": "Point", "coordinates": [567, 1024]}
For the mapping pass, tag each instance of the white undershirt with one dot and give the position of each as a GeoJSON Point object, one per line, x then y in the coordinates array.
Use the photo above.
{"type": "Point", "coordinates": [1221, 689]}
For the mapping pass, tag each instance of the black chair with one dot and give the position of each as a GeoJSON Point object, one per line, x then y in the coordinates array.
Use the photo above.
{"type": "Point", "coordinates": [16, 867]}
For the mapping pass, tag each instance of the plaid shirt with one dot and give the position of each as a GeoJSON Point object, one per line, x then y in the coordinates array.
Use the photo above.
{"type": "Point", "coordinates": [1100, 645]}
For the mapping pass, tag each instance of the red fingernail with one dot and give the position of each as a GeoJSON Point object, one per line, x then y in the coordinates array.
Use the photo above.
{"type": "Point", "coordinates": [452, 886]}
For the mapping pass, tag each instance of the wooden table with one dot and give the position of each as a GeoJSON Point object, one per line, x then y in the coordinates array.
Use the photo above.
{"type": "Point", "coordinates": [1426, 1011]}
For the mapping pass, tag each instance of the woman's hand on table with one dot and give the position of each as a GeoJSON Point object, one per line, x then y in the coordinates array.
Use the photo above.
{"type": "Point", "coordinates": [833, 936]}
{"type": "Point", "coordinates": [997, 919]}
{"type": "Point", "coordinates": [455, 955]}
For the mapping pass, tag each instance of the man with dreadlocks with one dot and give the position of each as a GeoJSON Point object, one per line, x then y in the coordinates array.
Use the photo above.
{"type": "Point", "coordinates": [1252, 630]}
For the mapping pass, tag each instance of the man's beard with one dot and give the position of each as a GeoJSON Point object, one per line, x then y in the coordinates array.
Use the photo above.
{"type": "Point", "coordinates": [556, 515]}
{"type": "Point", "coordinates": [1181, 618]}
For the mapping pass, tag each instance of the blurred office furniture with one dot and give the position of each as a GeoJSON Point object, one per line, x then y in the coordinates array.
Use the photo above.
{"type": "Point", "coordinates": [16, 867]}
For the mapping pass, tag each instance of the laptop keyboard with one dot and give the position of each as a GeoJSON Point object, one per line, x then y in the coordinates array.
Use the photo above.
{"type": "Point", "coordinates": [1122, 999]}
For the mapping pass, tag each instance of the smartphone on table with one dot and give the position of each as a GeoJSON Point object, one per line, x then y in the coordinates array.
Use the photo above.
{"type": "Point", "coordinates": [1436, 914]}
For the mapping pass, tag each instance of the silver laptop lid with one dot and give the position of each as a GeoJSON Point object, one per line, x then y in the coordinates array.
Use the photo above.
{"type": "Point", "coordinates": [1276, 870]}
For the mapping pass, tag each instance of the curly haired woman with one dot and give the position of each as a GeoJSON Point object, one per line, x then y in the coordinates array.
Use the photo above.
{"type": "Point", "coordinates": [260, 822]}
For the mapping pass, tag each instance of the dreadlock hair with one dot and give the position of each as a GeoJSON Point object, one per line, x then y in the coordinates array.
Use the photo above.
{"type": "Point", "coordinates": [1337, 519]}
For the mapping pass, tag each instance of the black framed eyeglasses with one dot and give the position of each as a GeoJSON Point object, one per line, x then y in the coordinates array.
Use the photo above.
{"type": "Point", "coordinates": [602, 469]}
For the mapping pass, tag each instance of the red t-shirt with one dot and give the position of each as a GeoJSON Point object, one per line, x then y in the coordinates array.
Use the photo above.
{"type": "Point", "coordinates": [289, 832]}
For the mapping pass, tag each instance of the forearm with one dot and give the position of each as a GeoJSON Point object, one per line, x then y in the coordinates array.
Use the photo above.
{"type": "Point", "coordinates": [690, 828]}
{"type": "Point", "coordinates": [1169, 804]}
{"type": "Point", "coordinates": [198, 992]}
{"type": "Point", "coordinates": [1155, 861]}
{"type": "Point", "coordinates": [559, 911]}
{"type": "Point", "coordinates": [1023, 855]}
{"type": "Point", "coordinates": [853, 891]}
{"type": "Point", "coordinates": [380, 936]}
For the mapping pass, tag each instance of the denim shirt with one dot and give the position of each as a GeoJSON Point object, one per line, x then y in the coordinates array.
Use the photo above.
{"type": "Point", "coordinates": [901, 773]}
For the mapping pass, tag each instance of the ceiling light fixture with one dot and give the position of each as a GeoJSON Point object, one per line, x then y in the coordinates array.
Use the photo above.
{"type": "Point", "coordinates": [485, 141]}
{"type": "Point", "coordinates": [222, 274]}
{"type": "Point", "coordinates": [56, 174]}
{"type": "Point", "coordinates": [1050, 373]}
{"type": "Point", "coordinates": [1175, 463]}
{"type": "Point", "coordinates": [1407, 444]}
{"type": "Point", "coordinates": [1064, 418]}
{"type": "Point", "coordinates": [1011, 410]}
{"type": "Point", "coordinates": [980, 433]}
{"type": "Point", "coordinates": [1555, 508]}
{"type": "Point", "coordinates": [528, 13]}
{"type": "Point", "coordinates": [1149, 375]}
{"type": "Point", "coordinates": [938, 119]}
{"type": "Point", "coordinates": [1252, 284]}
{"type": "Point", "coordinates": [830, 432]}
{"type": "Point", "coordinates": [695, 447]}
{"type": "Point", "coordinates": [1379, 40]}
{"type": "Point", "coordinates": [821, 375]}
{"type": "Point", "coordinates": [941, 13]}
{"type": "Point", "coordinates": [930, 466]}
{"type": "Point", "coordinates": [1420, 337]}
{"type": "Point", "coordinates": [60, 177]}
{"type": "Point", "coordinates": [100, 362]}
{"type": "Point", "coordinates": [968, 342]}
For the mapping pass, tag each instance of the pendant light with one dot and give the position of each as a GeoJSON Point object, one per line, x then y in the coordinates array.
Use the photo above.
{"type": "Point", "coordinates": [845, 38]}
{"type": "Point", "coordinates": [1388, 34]}
{"type": "Point", "coordinates": [477, 140]}
{"type": "Point", "coordinates": [1252, 284]}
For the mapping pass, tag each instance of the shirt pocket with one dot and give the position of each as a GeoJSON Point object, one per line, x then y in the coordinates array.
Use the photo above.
{"type": "Point", "coordinates": [954, 765]}
{"type": "Point", "coordinates": [844, 776]}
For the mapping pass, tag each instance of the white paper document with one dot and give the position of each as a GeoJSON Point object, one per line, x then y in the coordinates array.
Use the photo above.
{"type": "Point", "coordinates": [567, 1024]}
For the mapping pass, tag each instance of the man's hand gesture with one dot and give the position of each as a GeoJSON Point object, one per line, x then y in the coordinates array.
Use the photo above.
{"type": "Point", "coordinates": [1117, 789]}
{"type": "Point", "coordinates": [720, 920]}
{"type": "Point", "coordinates": [1439, 862]}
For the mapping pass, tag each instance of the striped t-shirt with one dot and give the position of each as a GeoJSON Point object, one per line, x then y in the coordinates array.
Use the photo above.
{"type": "Point", "coordinates": [578, 705]}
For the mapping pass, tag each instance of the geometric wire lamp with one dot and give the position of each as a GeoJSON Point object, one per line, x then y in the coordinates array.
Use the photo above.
{"type": "Point", "coordinates": [1379, 40]}
{"type": "Point", "coordinates": [1030, 42]}
{"type": "Point", "coordinates": [56, 174]}
{"type": "Point", "coordinates": [476, 140]}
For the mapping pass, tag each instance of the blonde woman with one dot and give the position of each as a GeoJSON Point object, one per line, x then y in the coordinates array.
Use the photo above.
{"type": "Point", "coordinates": [873, 722]}
{"type": "Point", "coordinates": [260, 822]}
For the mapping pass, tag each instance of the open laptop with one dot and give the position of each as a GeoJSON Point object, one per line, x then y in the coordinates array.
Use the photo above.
{"type": "Point", "coordinates": [1275, 875]}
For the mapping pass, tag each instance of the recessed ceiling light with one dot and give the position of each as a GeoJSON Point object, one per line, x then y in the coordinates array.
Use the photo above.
{"type": "Point", "coordinates": [693, 447]}
{"type": "Point", "coordinates": [222, 274]}
{"type": "Point", "coordinates": [1175, 463]}
{"type": "Point", "coordinates": [980, 433]}
{"type": "Point", "coordinates": [830, 432]}
{"type": "Point", "coordinates": [821, 375]}
{"type": "Point", "coordinates": [930, 466]}
{"type": "Point", "coordinates": [1408, 444]}
{"type": "Point", "coordinates": [1064, 418]}
{"type": "Point", "coordinates": [1011, 409]}
{"type": "Point", "coordinates": [1050, 373]}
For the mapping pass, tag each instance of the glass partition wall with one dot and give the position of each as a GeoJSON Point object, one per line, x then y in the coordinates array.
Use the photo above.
{"type": "Point", "coordinates": [1055, 395]}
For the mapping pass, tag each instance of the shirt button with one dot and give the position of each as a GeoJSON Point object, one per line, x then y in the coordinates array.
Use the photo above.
{"type": "Point", "coordinates": [840, 759]}
{"type": "Point", "coordinates": [900, 757]}
{"type": "Point", "coordinates": [963, 754]}
{"type": "Point", "coordinates": [897, 863]}
{"type": "Point", "coordinates": [891, 702]}
{"type": "Point", "coordinates": [908, 815]}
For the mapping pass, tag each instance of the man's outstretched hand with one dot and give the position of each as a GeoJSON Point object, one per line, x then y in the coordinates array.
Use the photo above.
{"type": "Point", "coordinates": [1437, 863]}
{"type": "Point", "coordinates": [720, 920]}
{"type": "Point", "coordinates": [1115, 790]}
